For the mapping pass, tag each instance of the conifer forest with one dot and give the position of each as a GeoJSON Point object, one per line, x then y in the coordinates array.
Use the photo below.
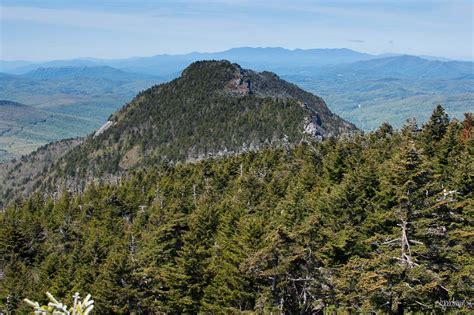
{"type": "Point", "coordinates": [375, 222]}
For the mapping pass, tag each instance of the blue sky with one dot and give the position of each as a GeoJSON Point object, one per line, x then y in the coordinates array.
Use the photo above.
{"type": "Point", "coordinates": [54, 29]}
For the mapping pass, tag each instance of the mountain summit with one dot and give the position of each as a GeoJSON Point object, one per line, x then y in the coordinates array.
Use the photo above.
{"type": "Point", "coordinates": [214, 108]}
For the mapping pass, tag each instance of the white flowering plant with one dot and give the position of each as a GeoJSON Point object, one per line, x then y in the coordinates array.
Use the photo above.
{"type": "Point", "coordinates": [54, 307]}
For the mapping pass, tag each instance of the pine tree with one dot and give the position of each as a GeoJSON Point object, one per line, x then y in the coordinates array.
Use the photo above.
{"type": "Point", "coordinates": [434, 129]}
{"type": "Point", "coordinates": [468, 127]}
{"type": "Point", "coordinates": [116, 285]}
{"type": "Point", "coordinates": [230, 290]}
{"type": "Point", "coordinates": [160, 242]}
{"type": "Point", "coordinates": [410, 129]}
{"type": "Point", "coordinates": [189, 277]}
{"type": "Point", "coordinates": [409, 182]}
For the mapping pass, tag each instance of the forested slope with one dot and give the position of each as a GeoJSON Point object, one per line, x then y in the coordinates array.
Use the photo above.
{"type": "Point", "coordinates": [214, 108]}
{"type": "Point", "coordinates": [377, 222]}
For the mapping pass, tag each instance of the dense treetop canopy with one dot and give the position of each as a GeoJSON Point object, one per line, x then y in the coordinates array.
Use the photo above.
{"type": "Point", "coordinates": [380, 222]}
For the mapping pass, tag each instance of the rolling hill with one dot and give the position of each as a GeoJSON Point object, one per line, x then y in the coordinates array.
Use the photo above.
{"type": "Point", "coordinates": [24, 128]}
{"type": "Point", "coordinates": [392, 89]}
{"type": "Point", "coordinates": [62, 103]}
{"type": "Point", "coordinates": [97, 72]}
{"type": "Point", "coordinates": [64, 89]}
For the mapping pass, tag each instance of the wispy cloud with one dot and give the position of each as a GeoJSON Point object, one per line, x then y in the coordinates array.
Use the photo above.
{"type": "Point", "coordinates": [141, 27]}
{"type": "Point", "coordinates": [159, 20]}
{"type": "Point", "coordinates": [80, 18]}
{"type": "Point", "coordinates": [67, 17]}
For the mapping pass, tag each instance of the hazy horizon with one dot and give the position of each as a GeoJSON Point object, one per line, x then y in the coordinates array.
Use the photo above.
{"type": "Point", "coordinates": [115, 29]}
{"type": "Point", "coordinates": [388, 54]}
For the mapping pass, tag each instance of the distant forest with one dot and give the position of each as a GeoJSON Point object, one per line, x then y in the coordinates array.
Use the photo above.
{"type": "Point", "coordinates": [375, 222]}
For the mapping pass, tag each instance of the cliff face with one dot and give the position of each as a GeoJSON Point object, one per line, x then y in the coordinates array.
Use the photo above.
{"type": "Point", "coordinates": [321, 123]}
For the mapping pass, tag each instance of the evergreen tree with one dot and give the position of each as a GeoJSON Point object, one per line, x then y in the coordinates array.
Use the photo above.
{"type": "Point", "coordinates": [190, 275]}
{"type": "Point", "coordinates": [230, 290]}
{"type": "Point", "coordinates": [434, 129]}
{"type": "Point", "coordinates": [117, 284]}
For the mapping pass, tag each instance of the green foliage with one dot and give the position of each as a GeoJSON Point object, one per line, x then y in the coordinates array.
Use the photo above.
{"type": "Point", "coordinates": [314, 227]}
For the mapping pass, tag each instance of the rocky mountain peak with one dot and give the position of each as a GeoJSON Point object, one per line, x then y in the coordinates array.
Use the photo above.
{"type": "Point", "coordinates": [215, 108]}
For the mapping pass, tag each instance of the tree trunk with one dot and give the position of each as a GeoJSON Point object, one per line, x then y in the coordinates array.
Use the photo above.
{"type": "Point", "coordinates": [400, 309]}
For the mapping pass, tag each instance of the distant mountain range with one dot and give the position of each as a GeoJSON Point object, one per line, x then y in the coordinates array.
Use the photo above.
{"type": "Point", "coordinates": [261, 58]}
{"type": "Point", "coordinates": [362, 88]}
{"type": "Point", "coordinates": [402, 67]}
{"type": "Point", "coordinates": [276, 59]}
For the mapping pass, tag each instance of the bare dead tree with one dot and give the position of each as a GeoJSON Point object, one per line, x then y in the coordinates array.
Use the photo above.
{"type": "Point", "coordinates": [406, 257]}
